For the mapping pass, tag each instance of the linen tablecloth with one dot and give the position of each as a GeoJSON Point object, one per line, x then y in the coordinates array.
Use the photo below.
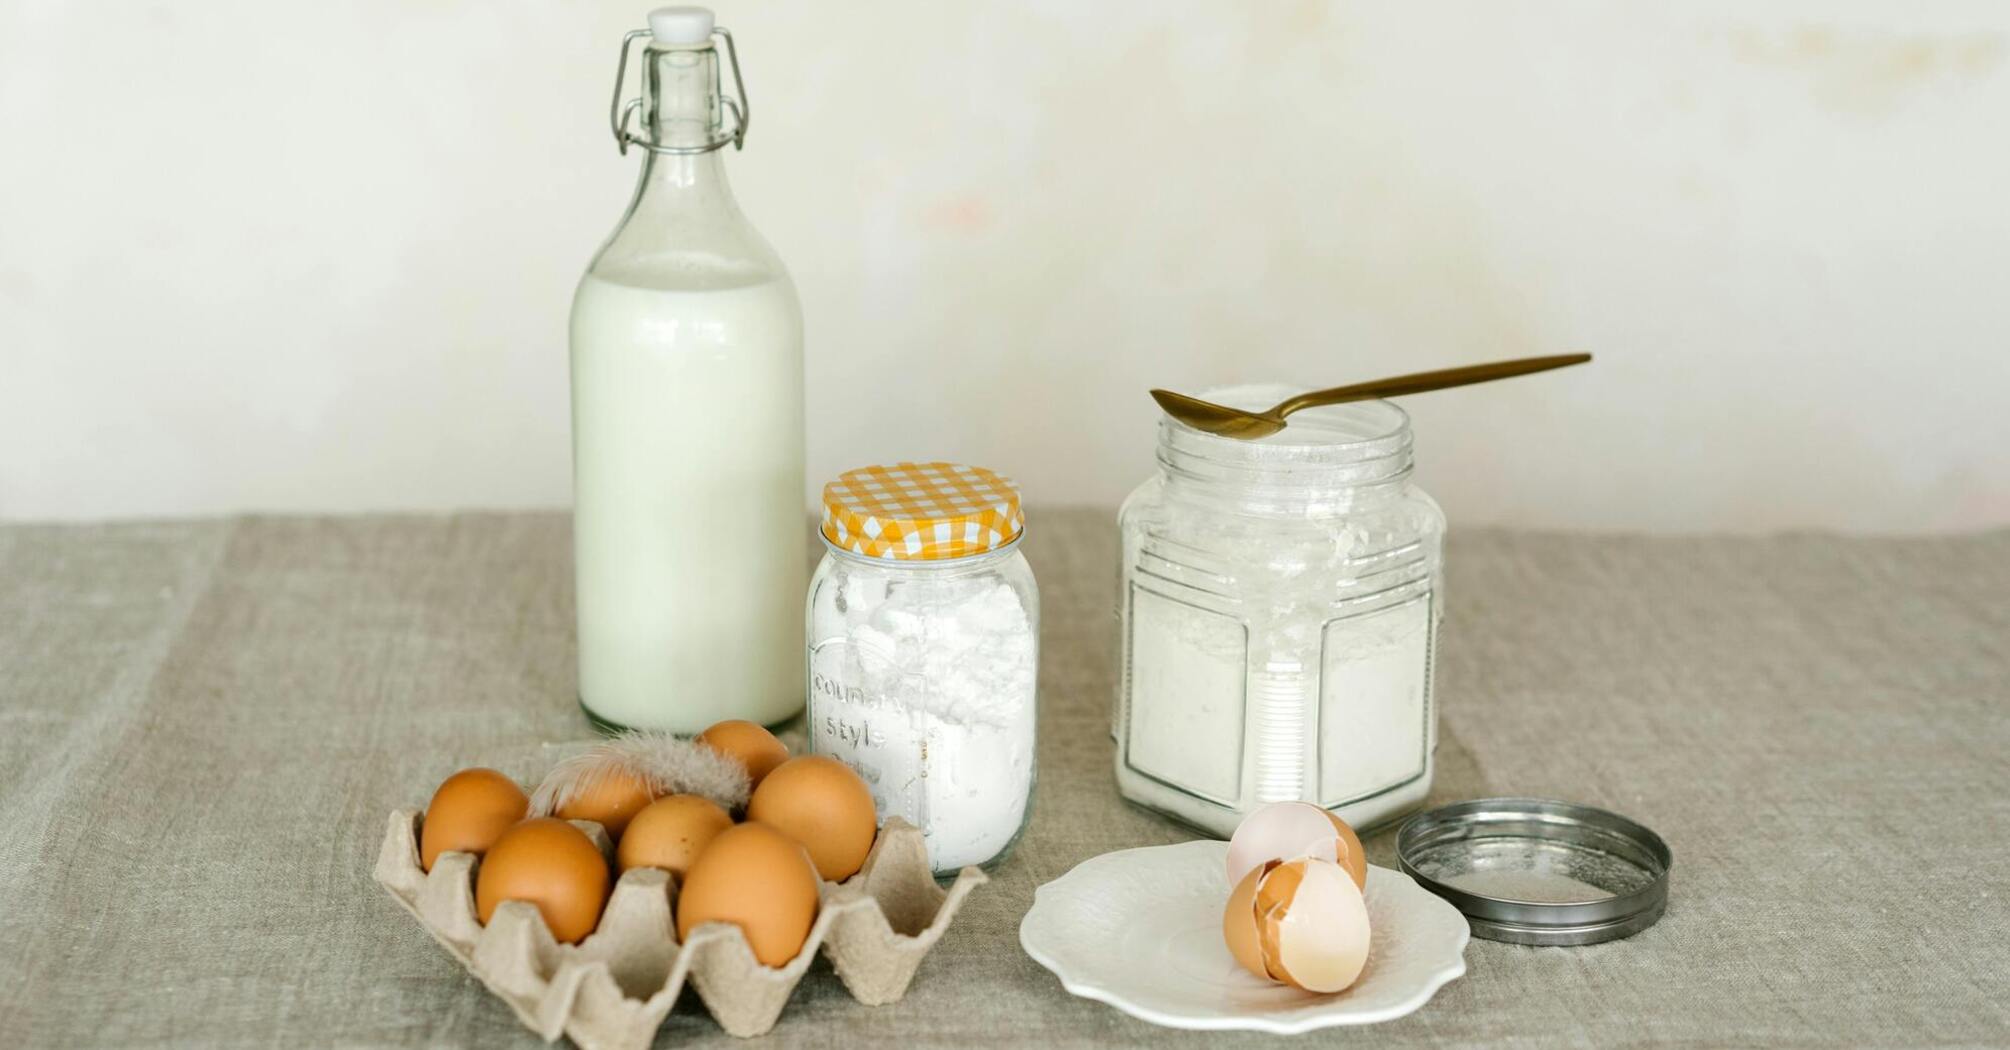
{"type": "Point", "coordinates": [204, 724]}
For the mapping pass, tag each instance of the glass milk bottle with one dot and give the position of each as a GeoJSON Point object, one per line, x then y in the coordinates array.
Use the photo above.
{"type": "Point", "coordinates": [1279, 614]}
{"type": "Point", "coordinates": [687, 420]}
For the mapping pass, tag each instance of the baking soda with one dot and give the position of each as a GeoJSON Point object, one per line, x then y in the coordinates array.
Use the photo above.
{"type": "Point", "coordinates": [928, 692]}
{"type": "Point", "coordinates": [1281, 660]}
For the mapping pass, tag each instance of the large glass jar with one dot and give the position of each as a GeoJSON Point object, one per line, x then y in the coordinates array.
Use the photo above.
{"type": "Point", "coordinates": [924, 626]}
{"type": "Point", "coordinates": [1279, 617]}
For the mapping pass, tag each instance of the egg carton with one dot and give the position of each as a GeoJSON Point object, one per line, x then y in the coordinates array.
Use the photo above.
{"type": "Point", "coordinates": [614, 989]}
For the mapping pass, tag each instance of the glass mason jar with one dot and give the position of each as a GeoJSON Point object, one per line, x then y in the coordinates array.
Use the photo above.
{"type": "Point", "coordinates": [1279, 618]}
{"type": "Point", "coordinates": [923, 653]}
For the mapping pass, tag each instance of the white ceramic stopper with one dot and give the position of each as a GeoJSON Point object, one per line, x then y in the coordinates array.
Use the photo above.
{"type": "Point", "coordinates": [681, 25]}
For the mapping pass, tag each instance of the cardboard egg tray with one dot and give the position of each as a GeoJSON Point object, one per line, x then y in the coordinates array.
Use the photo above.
{"type": "Point", "coordinates": [614, 989]}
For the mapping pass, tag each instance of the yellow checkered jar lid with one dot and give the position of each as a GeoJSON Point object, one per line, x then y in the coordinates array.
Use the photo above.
{"type": "Point", "coordinates": [921, 511]}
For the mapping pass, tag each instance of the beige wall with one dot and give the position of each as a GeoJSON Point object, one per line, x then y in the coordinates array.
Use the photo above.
{"type": "Point", "coordinates": [293, 256]}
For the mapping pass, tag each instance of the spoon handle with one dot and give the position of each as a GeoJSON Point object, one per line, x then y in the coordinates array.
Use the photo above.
{"type": "Point", "coordinates": [1418, 382]}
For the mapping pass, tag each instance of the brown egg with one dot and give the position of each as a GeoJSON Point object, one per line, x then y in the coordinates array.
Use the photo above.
{"type": "Point", "coordinates": [755, 747]}
{"type": "Point", "coordinates": [468, 813]}
{"type": "Point", "coordinates": [670, 832]}
{"type": "Point", "coordinates": [759, 880]}
{"type": "Point", "coordinates": [551, 864]}
{"type": "Point", "coordinates": [611, 800]}
{"type": "Point", "coordinates": [821, 803]}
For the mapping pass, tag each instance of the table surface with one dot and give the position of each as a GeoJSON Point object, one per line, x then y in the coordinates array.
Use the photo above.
{"type": "Point", "coordinates": [204, 724]}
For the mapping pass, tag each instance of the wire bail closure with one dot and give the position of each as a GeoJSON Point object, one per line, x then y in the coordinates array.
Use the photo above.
{"type": "Point", "coordinates": [619, 112]}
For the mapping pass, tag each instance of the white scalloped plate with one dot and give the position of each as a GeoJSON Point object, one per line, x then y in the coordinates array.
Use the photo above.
{"type": "Point", "coordinates": [1140, 929]}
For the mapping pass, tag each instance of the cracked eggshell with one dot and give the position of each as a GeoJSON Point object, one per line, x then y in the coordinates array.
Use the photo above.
{"type": "Point", "coordinates": [1299, 922]}
{"type": "Point", "coordinates": [1238, 923]}
{"type": "Point", "coordinates": [1289, 830]}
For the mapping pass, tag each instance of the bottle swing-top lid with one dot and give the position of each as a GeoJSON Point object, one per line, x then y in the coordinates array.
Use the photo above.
{"type": "Point", "coordinates": [680, 27]}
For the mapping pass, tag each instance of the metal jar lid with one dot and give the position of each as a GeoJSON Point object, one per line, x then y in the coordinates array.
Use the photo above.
{"type": "Point", "coordinates": [1537, 871]}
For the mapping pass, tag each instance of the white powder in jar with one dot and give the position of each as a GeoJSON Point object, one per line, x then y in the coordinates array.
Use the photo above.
{"type": "Point", "coordinates": [927, 689]}
{"type": "Point", "coordinates": [1266, 688]}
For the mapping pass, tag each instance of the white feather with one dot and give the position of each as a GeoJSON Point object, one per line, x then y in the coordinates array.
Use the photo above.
{"type": "Point", "coordinates": [669, 764]}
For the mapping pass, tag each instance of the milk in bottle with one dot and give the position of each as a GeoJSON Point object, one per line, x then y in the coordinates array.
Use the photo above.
{"type": "Point", "coordinates": [687, 423]}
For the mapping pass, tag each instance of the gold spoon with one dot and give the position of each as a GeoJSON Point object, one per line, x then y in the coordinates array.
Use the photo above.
{"type": "Point", "coordinates": [1237, 423]}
